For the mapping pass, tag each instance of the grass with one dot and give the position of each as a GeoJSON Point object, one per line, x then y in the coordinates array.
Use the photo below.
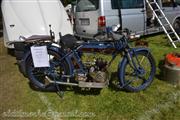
{"type": "Point", "coordinates": [161, 101]}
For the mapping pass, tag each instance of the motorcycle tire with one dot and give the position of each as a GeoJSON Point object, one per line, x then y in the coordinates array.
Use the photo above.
{"type": "Point", "coordinates": [38, 76]}
{"type": "Point", "coordinates": [134, 80]}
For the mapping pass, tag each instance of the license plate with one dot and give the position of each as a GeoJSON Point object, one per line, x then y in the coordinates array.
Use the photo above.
{"type": "Point", "coordinates": [85, 22]}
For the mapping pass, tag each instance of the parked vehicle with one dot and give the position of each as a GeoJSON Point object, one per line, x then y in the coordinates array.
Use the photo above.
{"type": "Point", "coordinates": [26, 18]}
{"type": "Point", "coordinates": [95, 15]}
{"type": "Point", "coordinates": [135, 71]}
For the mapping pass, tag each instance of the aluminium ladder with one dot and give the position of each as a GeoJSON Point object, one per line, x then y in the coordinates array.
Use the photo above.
{"type": "Point", "coordinates": [164, 22]}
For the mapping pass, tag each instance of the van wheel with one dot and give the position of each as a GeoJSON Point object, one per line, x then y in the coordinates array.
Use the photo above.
{"type": "Point", "coordinates": [176, 25]}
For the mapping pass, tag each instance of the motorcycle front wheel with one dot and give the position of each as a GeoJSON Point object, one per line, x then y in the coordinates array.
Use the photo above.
{"type": "Point", "coordinates": [41, 78]}
{"type": "Point", "coordinates": [138, 74]}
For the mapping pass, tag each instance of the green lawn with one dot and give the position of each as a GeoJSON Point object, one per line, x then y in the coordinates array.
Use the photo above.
{"type": "Point", "coordinates": [161, 101]}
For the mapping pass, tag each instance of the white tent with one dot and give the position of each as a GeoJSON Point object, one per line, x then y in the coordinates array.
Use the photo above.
{"type": "Point", "coordinates": [33, 17]}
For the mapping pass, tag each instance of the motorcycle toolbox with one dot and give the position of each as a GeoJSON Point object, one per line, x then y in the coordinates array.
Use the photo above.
{"type": "Point", "coordinates": [33, 17]}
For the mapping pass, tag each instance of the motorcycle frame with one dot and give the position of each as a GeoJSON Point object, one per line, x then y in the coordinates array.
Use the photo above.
{"type": "Point", "coordinates": [128, 54]}
{"type": "Point", "coordinates": [75, 54]}
{"type": "Point", "coordinates": [119, 46]}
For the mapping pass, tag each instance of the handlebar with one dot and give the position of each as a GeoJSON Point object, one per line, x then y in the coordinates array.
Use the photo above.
{"type": "Point", "coordinates": [109, 34]}
{"type": "Point", "coordinates": [99, 33]}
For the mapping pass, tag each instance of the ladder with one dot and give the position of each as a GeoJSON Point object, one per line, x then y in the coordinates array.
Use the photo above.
{"type": "Point", "coordinates": [164, 22]}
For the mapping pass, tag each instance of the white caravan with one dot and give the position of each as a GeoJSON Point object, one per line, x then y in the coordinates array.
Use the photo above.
{"type": "Point", "coordinates": [33, 17]}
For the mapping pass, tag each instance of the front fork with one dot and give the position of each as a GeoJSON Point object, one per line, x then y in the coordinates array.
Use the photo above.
{"type": "Point", "coordinates": [133, 60]}
{"type": "Point", "coordinates": [129, 54]}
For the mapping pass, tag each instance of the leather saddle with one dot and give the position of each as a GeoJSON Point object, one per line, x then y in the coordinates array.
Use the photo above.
{"type": "Point", "coordinates": [37, 38]}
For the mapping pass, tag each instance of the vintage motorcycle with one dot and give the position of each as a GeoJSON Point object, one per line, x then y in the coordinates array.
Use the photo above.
{"type": "Point", "coordinates": [135, 71]}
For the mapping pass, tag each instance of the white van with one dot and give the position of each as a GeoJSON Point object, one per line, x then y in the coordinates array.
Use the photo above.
{"type": "Point", "coordinates": [95, 15]}
{"type": "Point", "coordinates": [33, 17]}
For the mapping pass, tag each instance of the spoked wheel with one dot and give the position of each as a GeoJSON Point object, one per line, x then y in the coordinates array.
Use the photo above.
{"type": "Point", "coordinates": [139, 76]}
{"type": "Point", "coordinates": [42, 78]}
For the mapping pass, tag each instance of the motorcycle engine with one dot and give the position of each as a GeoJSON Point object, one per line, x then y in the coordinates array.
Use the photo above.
{"type": "Point", "coordinates": [97, 71]}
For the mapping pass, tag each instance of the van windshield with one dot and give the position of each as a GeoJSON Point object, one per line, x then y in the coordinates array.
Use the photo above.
{"type": "Point", "coordinates": [87, 5]}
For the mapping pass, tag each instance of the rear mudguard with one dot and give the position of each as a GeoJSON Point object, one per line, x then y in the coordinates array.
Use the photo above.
{"type": "Point", "coordinates": [131, 51]}
{"type": "Point", "coordinates": [22, 62]}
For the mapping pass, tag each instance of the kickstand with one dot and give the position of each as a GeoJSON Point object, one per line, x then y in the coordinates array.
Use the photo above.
{"type": "Point", "coordinates": [60, 94]}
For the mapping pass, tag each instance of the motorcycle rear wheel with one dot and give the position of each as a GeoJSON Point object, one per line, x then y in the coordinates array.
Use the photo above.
{"type": "Point", "coordinates": [39, 77]}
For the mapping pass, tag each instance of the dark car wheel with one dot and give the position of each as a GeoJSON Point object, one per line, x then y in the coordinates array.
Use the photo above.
{"type": "Point", "coordinates": [176, 25]}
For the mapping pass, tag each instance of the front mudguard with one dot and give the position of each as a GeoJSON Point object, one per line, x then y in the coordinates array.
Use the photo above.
{"type": "Point", "coordinates": [131, 51]}
{"type": "Point", "coordinates": [22, 62]}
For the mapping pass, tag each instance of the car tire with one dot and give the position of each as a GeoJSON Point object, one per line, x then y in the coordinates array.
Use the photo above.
{"type": "Point", "coordinates": [176, 26]}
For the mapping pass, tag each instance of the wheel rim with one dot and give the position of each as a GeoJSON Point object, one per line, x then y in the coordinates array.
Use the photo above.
{"type": "Point", "coordinates": [137, 78]}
